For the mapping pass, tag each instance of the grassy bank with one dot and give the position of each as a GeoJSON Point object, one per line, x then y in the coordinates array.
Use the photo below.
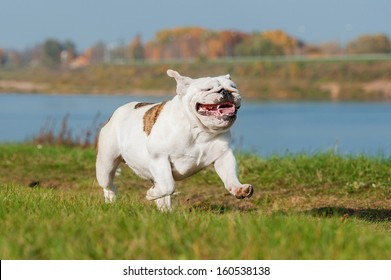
{"type": "Point", "coordinates": [266, 79]}
{"type": "Point", "coordinates": [323, 206]}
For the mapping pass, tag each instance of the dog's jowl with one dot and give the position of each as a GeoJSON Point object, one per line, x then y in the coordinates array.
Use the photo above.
{"type": "Point", "coordinates": [170, 141]}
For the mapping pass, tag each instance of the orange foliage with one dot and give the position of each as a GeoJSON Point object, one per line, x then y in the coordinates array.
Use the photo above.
{"type": "Point", "coordinates": [280, 38]}
{"type": "Point", "coordinates": [190, 42]}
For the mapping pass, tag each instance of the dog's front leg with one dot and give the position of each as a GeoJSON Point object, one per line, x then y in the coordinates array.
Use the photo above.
{"type": "Point", "coordinates": [226, 168]}
{"type": "Point", "coordinates": [164, 185]}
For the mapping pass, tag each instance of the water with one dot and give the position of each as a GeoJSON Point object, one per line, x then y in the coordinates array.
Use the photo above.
{"type": "Point", "coordinates": [264, 128]}
{"type": "Point", "coordinates": [347, 128]}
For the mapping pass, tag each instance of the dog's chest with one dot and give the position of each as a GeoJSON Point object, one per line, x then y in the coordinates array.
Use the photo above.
{"type": "Point", "coordinates": [192, 160]}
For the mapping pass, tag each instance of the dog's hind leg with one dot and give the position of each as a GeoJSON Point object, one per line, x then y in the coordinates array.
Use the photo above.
{"type": "Point", "coordinates": [107, 160]}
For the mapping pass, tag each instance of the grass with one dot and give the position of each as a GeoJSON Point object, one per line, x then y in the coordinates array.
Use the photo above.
{"type": "Point", "coordinates": [322, 206]}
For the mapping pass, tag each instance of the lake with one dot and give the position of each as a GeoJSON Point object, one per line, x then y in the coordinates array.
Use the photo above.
{"type": "Point", "coordinates": [264, 128]}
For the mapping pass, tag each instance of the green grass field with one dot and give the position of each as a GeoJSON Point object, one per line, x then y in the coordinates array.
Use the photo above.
{"type": "Point", "coordinates": [320, 206]}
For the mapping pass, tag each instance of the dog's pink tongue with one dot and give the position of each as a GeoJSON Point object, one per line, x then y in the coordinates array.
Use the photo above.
{"type": "Point", "coordinates": [227, 110]}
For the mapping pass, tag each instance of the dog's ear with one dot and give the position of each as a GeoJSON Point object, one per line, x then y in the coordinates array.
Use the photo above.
{"type": "Point", "coordinates": [181, 81]}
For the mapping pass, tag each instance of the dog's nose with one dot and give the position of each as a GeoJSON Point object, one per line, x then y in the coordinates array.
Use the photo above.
{"type": "Point", "coordinates": [225, 92]}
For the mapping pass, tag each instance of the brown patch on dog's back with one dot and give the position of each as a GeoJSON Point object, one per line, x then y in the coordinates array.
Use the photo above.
{"type": "Point", "coordinates": [151, 116]}
{"type": "Point", "coordinates": [142, 104]}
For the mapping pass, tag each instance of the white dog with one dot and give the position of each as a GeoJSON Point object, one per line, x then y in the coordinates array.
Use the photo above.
{"type": "Point", "coordinates": [172, 140]}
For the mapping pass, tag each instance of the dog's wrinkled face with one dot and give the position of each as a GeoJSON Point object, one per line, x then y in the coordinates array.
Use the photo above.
{"type": "Point", "coordinates": [213, 101]}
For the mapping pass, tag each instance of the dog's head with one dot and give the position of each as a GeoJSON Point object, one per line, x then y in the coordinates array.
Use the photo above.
{"type": "Point", "coordinates": [213, 101]}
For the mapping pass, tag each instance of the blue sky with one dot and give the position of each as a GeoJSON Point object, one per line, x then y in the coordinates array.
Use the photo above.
{"type": "Point", "coordinates": [86, 22]}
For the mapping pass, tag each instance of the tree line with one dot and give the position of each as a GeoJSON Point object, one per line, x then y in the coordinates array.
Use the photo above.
{"type": "Point", "coordinates": [188, 43]}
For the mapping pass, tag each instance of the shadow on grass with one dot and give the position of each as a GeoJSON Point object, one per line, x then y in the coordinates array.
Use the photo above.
{"type": "Point", "coordinates": [372, 215]}
{"type": "Point", "coordinates": [220, 208]}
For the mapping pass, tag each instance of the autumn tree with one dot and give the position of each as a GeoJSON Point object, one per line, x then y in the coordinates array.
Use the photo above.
{"type": "Point", "coordinates": [223, 43]}
{"type": "Point", "coordinates": [14, 59]}
{"type": "Point", "coordinates": [257, 45]}
{"type": "Point", "coordinates": [366, 44]}
{"type": "Point", "coordinates": [70, 48]}
{"type": "Point", "coordinates": [193, 42]}
{"type": "Point", "coordinates": [51, 51]}
{"type": "Point", "coordinates": [136, 49]}
{"type": "Point", "coordinates": [183, 42]}
{"type": "Point", "coordinates": [197, 42]}
{"type": "Point", "coordinates": [3, 57]}
{"type": "Point", "coordinates": [96, 53]}
{"type": "Point", "coordinates": [214, 47]}
{"type": "Point", "coordinates": [282, 40]}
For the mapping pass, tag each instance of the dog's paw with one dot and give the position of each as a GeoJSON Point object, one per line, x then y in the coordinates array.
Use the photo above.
{"type": "Point", "coordinates": [164, 204]}
{"type": "Point", "coordinates": [110, 196]}
{"type": "Point", "coordinates": [245, 191]}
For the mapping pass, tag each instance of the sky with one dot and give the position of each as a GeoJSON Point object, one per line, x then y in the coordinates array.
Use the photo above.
{"type": "Point", "coordinates": [25, 23]}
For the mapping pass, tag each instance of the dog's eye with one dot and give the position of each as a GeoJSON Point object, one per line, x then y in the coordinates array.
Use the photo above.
{"type": "Point", "coordinates": [208, 89]}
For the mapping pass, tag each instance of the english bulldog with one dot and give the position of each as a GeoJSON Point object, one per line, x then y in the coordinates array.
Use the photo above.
{"type": "Point", "coordinates": [173, 140]}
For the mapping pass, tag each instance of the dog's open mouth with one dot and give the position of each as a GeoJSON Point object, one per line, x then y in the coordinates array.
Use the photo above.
{"type": "Point", "coordinates": [225, 109]}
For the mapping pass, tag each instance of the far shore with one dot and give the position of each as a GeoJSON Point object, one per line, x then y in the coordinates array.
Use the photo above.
{"type": "Point", "coordinates": [364, 80]}
{"type": "Point", "coordinates": [27, 87]}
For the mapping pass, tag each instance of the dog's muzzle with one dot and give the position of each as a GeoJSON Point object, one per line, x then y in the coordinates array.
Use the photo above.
{"type": "Point", "coordinates": [224, 107]}
{"type": "Point", "coordinates": [218, 110]}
